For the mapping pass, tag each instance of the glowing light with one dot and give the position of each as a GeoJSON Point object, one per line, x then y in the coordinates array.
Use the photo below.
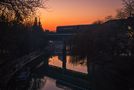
{"type": "Point", "coordinates": [129, 28]}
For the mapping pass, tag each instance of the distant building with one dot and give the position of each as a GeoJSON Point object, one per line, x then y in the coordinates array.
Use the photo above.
{"type": "Point", "coordinates": [76, 28]}
{"type": "Point", "coordinates": [112, 25]}
{"type": "Point", "coordinates": [37, 27]}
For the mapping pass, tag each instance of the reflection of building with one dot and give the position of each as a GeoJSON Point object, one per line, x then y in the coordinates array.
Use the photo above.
{"type": "Point", "coordinates": [37, 25]}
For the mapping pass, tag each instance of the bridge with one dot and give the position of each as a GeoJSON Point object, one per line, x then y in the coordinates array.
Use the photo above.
{"type": "Point", "coordinates": [59, 36]}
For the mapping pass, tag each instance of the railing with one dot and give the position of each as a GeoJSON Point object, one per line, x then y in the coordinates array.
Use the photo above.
{"type": "Point", "coordinates": [8, 70]}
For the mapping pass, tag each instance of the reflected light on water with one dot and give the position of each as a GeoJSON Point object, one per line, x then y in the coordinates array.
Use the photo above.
{"type": "Point", "coordinates": [56, 61]}
{"type": "Point", "coordinates": [50, 84]}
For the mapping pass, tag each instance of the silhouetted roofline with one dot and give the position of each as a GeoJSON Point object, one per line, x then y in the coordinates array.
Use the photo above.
{"type": "Point", "coordinates": [76, 25]}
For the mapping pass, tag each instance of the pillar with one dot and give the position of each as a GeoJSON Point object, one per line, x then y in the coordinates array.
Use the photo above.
{"type": "Point", "coordinates": [64, 56]}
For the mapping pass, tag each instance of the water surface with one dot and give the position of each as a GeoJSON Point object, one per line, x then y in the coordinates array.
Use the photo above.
{"type": "Point", "coordinates": [57, 61]}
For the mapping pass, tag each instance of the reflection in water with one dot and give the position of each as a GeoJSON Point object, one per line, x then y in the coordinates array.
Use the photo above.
{"type": "Point", "coordinates": [50, 84]}
{"type": "Point", "coordinates": [57, 61]}
{"type": "Point", "coordinates": [37, 83]}
{"type": "Point", "coordinates": [46, 84]}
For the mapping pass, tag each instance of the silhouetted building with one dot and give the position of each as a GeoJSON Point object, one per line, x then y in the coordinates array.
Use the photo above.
{"type": "Point", "coordinates": [37, 27]}
{"type": "Point", "coordinates": [76, 28]}
{"type": "Point", "coordinates": [115, 24]}
{"type": "Point", "coordinates": [35, 22]}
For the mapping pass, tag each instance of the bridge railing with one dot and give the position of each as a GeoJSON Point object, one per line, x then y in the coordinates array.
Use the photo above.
{"type": "Point", "coordinates": [11, 68]}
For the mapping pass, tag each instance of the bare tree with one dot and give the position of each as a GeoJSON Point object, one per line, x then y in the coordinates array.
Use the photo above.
{"type": "Point", "coordinates": [128, 7]}
{"type": "Point", "coordinates": [19, 9]}
{"type": "Point", "coordinates": [107, 18]}
{"type": "Point", "coordinates": [120, 14]}
{"type": "Point", "coordinates": [98, 22]}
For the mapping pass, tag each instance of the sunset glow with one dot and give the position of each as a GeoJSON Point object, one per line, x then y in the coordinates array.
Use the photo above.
{"type": "Point", "coordinates": [73, 12]}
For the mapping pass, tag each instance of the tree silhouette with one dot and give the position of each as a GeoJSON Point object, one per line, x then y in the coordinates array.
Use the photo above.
{"type": "Point", "coordinates": [104, 49]}
{"type": "Point", "coordinates": [19, 9]}
{"type": "Point", "coordinates": [120, 14]}
{"type": "Point", "coordinates": [128, 7]}
{"type": "Point", "coordinates": [127, 10]}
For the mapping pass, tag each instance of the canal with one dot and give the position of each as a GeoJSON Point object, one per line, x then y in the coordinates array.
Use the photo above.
{"type": "Point", "coordinates": [70, 64]}
{"type": "Point", "coordinates": [38, 79]}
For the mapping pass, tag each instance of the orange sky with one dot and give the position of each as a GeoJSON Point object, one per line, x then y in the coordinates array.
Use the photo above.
{"type": "Point", "coordinates": [73, 12]}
